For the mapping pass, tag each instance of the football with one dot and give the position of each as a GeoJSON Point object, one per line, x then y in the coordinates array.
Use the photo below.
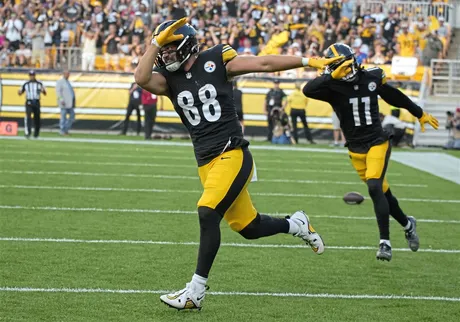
{"type": "Point", "coordinates": [353, 198]}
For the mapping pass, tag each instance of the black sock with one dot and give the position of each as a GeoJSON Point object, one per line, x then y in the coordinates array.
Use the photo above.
{"type": "Point", "coordinates": [396, 211]}
{"type": "Point", "coordinates": [263, 226]}
{"type": "Point", "coordinates": [381, 207]}
{"type": "Point", "coordinates": [209, 239]}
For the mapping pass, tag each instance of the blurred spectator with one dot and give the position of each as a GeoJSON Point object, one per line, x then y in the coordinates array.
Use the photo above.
{"type": "Point", "coordinates": [88, 53]}
{"type": "Point", "coordinates": [111, 55]}
{"type": "Point", "coordinates": [38, 45]}
{"type": "Point", "coordinates": [303, 28]}
{"type": "Point", "coordinates": [135, 93]}
{"type": "Point", "coordinates": [454, 124]}
{"type": "Point", "coordinates": [433, 49]}
{"type": "Point", "coordinates": [295, 105]}
{"type": "Point", "coordinates": [22, 55]}
{"type": "Point", "coordinates": [66, 102]}
{"type": "Point", "coordinates": [337, 131]}
{"type": "Point", "coordinates": [274, 99]}
{"type": "Point", "coordinates": [281, 132]}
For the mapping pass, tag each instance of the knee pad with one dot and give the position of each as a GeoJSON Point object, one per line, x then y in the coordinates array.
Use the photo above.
{"type": "Point", "coordinates": [208, 217]}
{"type": "Point", "coordinates": [374, 186]}
{"type": "Point", "coordinates": [251, 230]}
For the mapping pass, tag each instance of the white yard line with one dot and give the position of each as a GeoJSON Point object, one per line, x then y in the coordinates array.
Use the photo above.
{"type": "Point", "coordinates": [195, 178]}
{"type": "Point", "coordinates": [243, 245]}
{"type": "Point", "coordinates": [239, 293]}
{"type": "Point", "coordinates": [166, 157]}
{"type": "Point", "coordinates": [193, 212]}
{"type": "Point", "coordinates": [265, 194]}
{"type": "Point", "coordinates": [169, 165]}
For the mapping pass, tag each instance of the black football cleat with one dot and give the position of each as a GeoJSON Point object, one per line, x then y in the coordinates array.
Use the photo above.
{"type": "Point", "coordinates": [384, 252]}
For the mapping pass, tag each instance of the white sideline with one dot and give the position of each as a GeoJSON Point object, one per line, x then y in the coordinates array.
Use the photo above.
{"type": "Point", "coordinates": [270, 294]}
{"type": "Point", "coordinates": [265, 194]}
{"type": "Point", "coordinates": [243, 245]}
{"type": "Point", "coordinates": [195, 178]}
{"type": "Point", "coordinates": [193, 212]}
{"type": "Point", "coordinates": [169, 165]}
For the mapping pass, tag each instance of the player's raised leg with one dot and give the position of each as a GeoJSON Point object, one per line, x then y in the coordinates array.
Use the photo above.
{"type": "Point", "coordinates": [225, 196]}
{"type": "Point", "coordinates": [408, 223]}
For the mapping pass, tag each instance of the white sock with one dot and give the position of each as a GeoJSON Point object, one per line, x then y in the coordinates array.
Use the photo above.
{"type": "Point", "coordinates": [408, 226]}
{"type": "Point", "coordinates": [385, 241]}
{"type": "Point", "coordinates": [335, 142]}
{"type": "Point", "coordinates": [199, 282]}
{"type": "Point", "coordinates": [293, 227]}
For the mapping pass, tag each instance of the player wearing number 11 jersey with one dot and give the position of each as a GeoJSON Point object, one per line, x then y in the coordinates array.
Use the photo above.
{"type": "Point", "coordinates": [199, 85]}
{"type": "Point", "coordinates": [353, 93]}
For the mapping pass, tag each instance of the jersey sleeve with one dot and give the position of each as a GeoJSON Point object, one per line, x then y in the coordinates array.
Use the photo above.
{"type": "Point", "coordinates": [378, 73]}
{"type": "Point", "coordinates": [228, 53]}
{"type": "Point", "coordinates": [318, 88]}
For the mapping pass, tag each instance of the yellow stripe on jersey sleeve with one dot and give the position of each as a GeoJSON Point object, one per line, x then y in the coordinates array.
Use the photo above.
{"type": "Point", "coordinates": [228, 53]}
{"type": "Point", "coordinates": [384, 77]}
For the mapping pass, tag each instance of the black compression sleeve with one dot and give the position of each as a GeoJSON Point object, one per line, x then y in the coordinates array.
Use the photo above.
{"type": "Point", "coordinates": [317, 88]}
{"type": "Point", "coordinates": [395, 97]}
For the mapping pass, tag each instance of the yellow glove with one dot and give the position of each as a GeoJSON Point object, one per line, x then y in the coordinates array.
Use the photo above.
{"type": "Point", "coordinates": [343, 70]}
{"type": "Point", "coordinates": [430, 119]}
{"type": "Point", "coordinates": [321, 63]}
{"type": "Point", "coordinates": [167, 36]}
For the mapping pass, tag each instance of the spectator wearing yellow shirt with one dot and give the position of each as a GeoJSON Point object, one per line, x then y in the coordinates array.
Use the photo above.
{"type": "Point", "coordinates": [295, 105]}
{"type": "Point", "coordinates": [407, 42]}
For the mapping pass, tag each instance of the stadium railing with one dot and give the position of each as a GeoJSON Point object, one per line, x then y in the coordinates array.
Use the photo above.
{"type": "Point", "coordinates": [445, 77]}
{"type": "Point", "coordinates": [412, 9]}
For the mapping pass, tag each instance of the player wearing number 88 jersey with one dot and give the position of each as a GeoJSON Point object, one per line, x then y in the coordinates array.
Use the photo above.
{"type": "Point", "coordinates": [353, 93]}
{"type": "Point", "coordinates": [199, 85]}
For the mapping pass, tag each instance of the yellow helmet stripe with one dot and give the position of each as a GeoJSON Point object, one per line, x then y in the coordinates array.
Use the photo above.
{"type": "Point", "coordinates": [334, 51]}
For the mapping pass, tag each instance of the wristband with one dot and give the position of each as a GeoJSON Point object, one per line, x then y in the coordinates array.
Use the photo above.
{"type": "Point", "coordinates": [305, 61]}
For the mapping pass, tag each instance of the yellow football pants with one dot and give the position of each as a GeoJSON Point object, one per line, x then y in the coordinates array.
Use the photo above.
{"type": "Point", "coordinates": [225, 180]}
{"type": "Point", "coordinates": [373, 164]}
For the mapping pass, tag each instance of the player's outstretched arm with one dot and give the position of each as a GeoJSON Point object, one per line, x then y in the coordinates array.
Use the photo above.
{"type": "Point", "coordinates": [273, 63]}
{"type": "Point", "coordinates": [153, 82]}
{"type": "Point", "coordinates": [318, 88]}
{"type": "Point", "coordinates": [395, 97]}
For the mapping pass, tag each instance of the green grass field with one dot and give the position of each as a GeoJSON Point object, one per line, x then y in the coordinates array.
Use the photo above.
{"type": "Point", "coordinates": [97, 231]}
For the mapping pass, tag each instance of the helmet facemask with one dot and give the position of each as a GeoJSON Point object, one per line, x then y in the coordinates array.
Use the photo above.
{"type": "Point", "coordinates": [351, 76]}
{"type": "Point", "coordinates": [174, 55]}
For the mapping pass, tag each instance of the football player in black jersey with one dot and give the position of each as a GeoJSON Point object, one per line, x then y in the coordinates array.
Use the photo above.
{"type": "Point", "coordinates": [199, 85]}
{"type": "Point", "coordinates": [353, 93]}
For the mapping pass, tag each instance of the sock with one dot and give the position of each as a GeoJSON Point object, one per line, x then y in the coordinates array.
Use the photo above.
{"type": "Point", "coordinates": [335, 142]}
{"type": "Point", "coordinates": [381, 207]}
{"type": "Point", "coordinates": [385, 241]}
{"type": "Point", "coordinates": [408, 226]}
{"type": "Point", "coordinates": [199, 282]}
{"type": "Point", "coordinates": [209, 239]}
{"type": "Point", "coordinates": [396, 211]}
{"type": "Point", "coordinates": [264, 225]}
{"type": "Point", "coordinates": [293, 227]}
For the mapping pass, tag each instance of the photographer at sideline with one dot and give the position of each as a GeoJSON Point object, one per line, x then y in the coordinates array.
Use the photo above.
{"type": "Point", "coordinates": [274, 99]}
{"type": "Point", "coordinates": [281, 128]}
{"type": "Point", "coordinates": [453, 124]}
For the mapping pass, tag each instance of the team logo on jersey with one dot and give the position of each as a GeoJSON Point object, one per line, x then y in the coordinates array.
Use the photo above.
{"type": "Point", "coordinates": [372, 86]}
{"type": "Point", "coordinates": [210, 66]}
{"type": "Point", "coordinates": [188, 75]}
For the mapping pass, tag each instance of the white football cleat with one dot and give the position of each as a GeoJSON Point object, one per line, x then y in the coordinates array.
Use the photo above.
{"type": "Point", "coordinates": [307, 232]}
{"type": "Point", "coordinates": [187, 298]}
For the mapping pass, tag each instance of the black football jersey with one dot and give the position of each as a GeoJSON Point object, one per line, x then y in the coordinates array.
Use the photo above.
{"type": "Point", "coordinates": [356, 105]}
{"type": "Point", "coordinates": [203, 98]}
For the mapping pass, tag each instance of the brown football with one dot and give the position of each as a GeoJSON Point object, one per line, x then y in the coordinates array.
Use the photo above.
{"type": "Point", "coordinates": [353, 198]}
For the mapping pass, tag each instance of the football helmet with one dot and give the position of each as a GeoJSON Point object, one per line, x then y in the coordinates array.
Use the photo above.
{"type": "Point", "coordinates": [175, 54]}
{"type": "Point", "coordinates": [338, 49]}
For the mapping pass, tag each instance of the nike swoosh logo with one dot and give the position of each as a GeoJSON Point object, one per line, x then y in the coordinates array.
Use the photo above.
{"type": "Point", "coordinates": [225, 158]}
{"type": "Point", "coordinates": [199, 298]}
{"type": "Point", "coordinates": [301, 221]}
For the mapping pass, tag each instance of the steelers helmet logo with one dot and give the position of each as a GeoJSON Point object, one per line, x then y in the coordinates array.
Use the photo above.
{"type": "Point", "coordinates": [372, 86]}
{"type": "Point", "coordinates": [210, 66]}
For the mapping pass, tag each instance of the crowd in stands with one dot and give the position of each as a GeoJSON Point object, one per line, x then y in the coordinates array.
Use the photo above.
{"type": "Point", "coordinates": [113, 34]}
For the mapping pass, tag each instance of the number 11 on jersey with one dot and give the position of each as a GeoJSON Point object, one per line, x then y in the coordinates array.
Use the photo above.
{"type": "Point", "coordinates": [356, 111]}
